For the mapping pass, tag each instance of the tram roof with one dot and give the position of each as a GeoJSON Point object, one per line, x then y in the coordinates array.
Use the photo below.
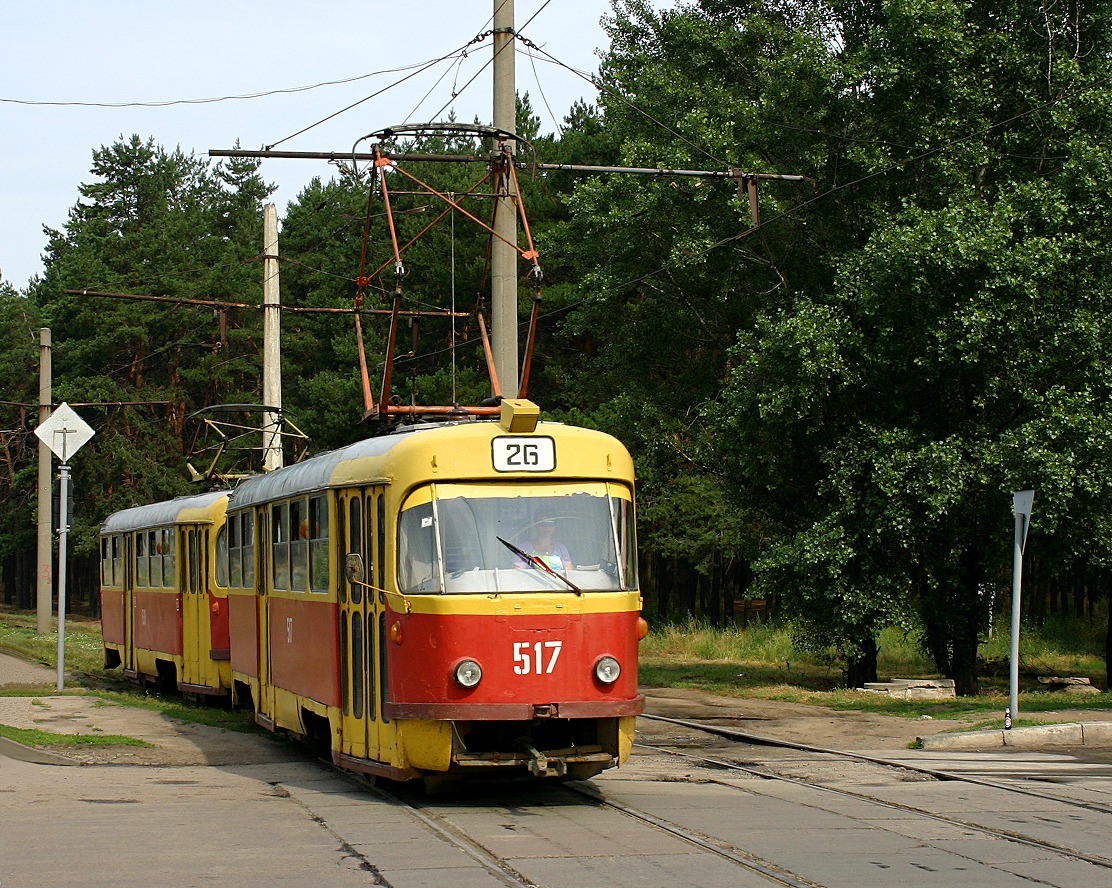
{"type": "Point", "coordinates": [156, 514]}
{"type": "Point", "coordinates": [320, 472]}
{"type": "Point", "coordinates": [316, 472]}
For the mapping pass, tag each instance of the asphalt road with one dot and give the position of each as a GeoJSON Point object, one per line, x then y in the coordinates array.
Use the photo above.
{"type": "Point", "coordinates": [201, 808]}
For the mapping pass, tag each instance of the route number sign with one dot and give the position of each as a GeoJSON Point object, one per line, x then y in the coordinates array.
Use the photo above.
{"type": "Point", "coordinates": [513, 453]}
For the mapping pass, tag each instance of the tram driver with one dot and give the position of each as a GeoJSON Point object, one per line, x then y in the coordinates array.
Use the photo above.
{"type": "Point", "coordinates": [545, 546]}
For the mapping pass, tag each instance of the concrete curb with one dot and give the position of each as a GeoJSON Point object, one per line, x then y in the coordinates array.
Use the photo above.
{"type": "Point", "coordinates": [14, 750]}
{"type": "Point", "coordinates": [1092, 734]}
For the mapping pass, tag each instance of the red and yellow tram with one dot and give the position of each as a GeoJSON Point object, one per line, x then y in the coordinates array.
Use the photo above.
{"type": "Point", "coordinates": [162, 614]}
{"type": "Point", "coordinates": [447, 598]}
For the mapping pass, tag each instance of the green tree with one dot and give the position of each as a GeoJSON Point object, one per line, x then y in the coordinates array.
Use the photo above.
{"type": "Point", "coordinates": [19, 338]}
{"type": "Point", "coordinates": [667, 269]}
{"type": "Point", "coordinates": [164, 224]}
{"type": "Point", "coordinates": [869, 373]}
{"type": "Point", "coordinates": [961, 353]}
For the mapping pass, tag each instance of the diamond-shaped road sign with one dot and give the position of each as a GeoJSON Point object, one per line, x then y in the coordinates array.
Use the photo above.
{"type": "Point", "coordinates": [64, 432]}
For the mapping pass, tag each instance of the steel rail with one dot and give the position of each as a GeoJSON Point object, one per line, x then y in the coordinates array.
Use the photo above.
{"type": "Point", "coordinates": [447, 831]}
{"type": "Point", "coordinates": [884, 803]}
{"type": "Point", "coordinates": [935, 773]}
{"type": "Point", "coordinates": [734, 855]}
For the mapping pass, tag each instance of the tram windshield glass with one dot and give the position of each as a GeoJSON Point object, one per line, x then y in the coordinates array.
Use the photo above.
{"type": "Point", "coordinates": [461, 538]}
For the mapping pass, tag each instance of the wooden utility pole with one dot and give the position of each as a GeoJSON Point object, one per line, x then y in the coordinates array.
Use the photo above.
{"type": "Point", "coordinates": [272, 344]}
{"type": "Point", "coordinates": [44, 570]}
{"type": "Point", "coordinates": [503, 252]}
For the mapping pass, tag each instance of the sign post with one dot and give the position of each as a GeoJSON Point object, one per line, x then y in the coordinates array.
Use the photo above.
{"type": "Point", "coordinates": [64, 433]}
{"type": "Point", "coordinates": [1021, 503]}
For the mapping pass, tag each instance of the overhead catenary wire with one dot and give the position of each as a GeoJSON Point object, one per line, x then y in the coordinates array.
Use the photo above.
{"type": "Point", "coordinates": [167, 103]}
{"type": "Point", "coordinates": [424, 67]}
{"type": "Point", "coordinates": [788, 212]}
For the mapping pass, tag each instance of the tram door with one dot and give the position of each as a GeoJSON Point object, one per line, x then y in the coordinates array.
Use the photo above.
{"type": "Point", "coordinates": [194, 597]}
{"type": "Point", "coordinates": [358, 619]}
{"type": "Point", "coordinates": [263, 578]}
{"type": "Point", "coordinates": [129, 602]}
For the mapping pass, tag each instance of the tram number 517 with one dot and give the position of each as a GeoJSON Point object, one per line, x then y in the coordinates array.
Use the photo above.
{"type": "Point", "coordinates": [530, 659]}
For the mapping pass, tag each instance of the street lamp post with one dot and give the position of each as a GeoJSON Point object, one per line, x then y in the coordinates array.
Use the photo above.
{"type": "Point", "coordinates": [1021, 504]}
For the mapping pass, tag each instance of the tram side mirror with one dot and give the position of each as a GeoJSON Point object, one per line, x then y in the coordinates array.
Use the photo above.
{"type": "Point", "coordinates": [353, 567]}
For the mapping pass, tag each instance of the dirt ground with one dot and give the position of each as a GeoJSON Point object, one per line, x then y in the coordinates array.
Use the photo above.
{"type": "Point", "coordinates": [819, 725]}
{"type": "Point", "coordinates": [174, 742]}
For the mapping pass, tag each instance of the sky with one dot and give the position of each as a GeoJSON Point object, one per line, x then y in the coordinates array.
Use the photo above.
{"type": "Point", "coordinates": [61, 61]}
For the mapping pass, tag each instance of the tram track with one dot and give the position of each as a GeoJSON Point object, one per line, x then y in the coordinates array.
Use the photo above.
{"type": "Point", "coordinates": [741, 858]}
{"type": "Point", "coordinates": [442, 827]}
{"type": "Point", "coordinates": [766, 773]}
{"type": "Point", "coordinates": [933, 773]}
{"type": "Point", "coordinates": [522, 835]}
{"type": "Point", "coordinates": [425, 812]}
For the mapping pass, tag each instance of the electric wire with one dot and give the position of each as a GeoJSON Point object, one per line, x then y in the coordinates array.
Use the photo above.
{"type": "Point", "coordinates": [420, 70]}
{"type": "Point", "coordinates": [460, 54]}
{"type": "Point", "coordinates": [599, 85]}
{"type": "Point", "coordinates": [216, 99]}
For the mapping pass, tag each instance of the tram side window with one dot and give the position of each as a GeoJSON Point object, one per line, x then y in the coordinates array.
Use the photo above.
{"type": "Point", "coordinates": [169, 556]}
{"type": "Point", "coordinates": [247, 540]}
{"type": "Point", "coordinates": [118, 560]}
{"type": "Point", "coordinates": [299, 546]}
{"type": "Point", "coordinates": [110, 574]}
{"type": "Point", "coordinates": [318, 544]}
{"type": "Point", "coordinates": [280, 545]}
{"type": "Point", "coordinates": [240, 550]}
{"type": "Point", "coordinates": [624, 531]}
{"type": "Point", "coordinates": [235, 553]}
{"type": "Point", "coordinates": [154, 546]}
{"type": "Point", "coordinates": [222, 557]}
{"type": "Point", "coordinates": [418, 562]}
{"type": "Point", "coordinates": [142, 561]}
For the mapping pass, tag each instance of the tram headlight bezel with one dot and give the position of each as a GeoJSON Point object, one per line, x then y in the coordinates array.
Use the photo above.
{"type": "Point", "coordinates": [607, 669]}
{"type": "Point", "coordinates": [468, 672]}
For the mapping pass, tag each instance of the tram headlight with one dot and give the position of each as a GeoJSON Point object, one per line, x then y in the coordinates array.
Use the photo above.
{"type": "Point", "coordinates": [469, 673]}
{"type": "Point", "coordinates": [607, 670]}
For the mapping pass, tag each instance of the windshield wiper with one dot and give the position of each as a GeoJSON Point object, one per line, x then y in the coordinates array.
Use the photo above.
{"type": "Point", "coordinates": [540, 564]}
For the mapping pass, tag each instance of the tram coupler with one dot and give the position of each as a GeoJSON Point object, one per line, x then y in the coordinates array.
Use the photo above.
{"type": "Point", "coordinates": [542, 766]}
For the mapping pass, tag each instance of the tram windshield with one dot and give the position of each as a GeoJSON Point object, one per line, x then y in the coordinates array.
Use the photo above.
{"type": "Point", "coordinates": [461, 538]}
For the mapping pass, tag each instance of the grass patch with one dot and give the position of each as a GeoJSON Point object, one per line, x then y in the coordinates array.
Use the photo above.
{"type": "Point", "coordinates": [85, 663]}
{"type": "Point", "coordinates": [84, 646]}
{"type": "Point", "coordinates": [763, 662]}
{"type": "Point", "coordinates": [1061, 646]}
{"type": "Point", "coordinates": [36, 738]}
{"type": "Point", "coordinates": [759, 661]}
{"type": "Point", "coordinates": [172, 706]}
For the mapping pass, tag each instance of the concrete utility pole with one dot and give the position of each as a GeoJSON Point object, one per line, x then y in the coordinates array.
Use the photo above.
{"type": "Point", "coordinates": [272, 343]}
{"type": "Point", "coordinates": [44, 573]}
{"type": "Point", "coordinates": [503, 253]}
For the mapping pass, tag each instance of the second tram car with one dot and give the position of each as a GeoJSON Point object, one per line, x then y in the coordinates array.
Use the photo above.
{"type": "Point", "coordinates": [451, 597]}
{"type": "Point", "coordinates": [162, 614]}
